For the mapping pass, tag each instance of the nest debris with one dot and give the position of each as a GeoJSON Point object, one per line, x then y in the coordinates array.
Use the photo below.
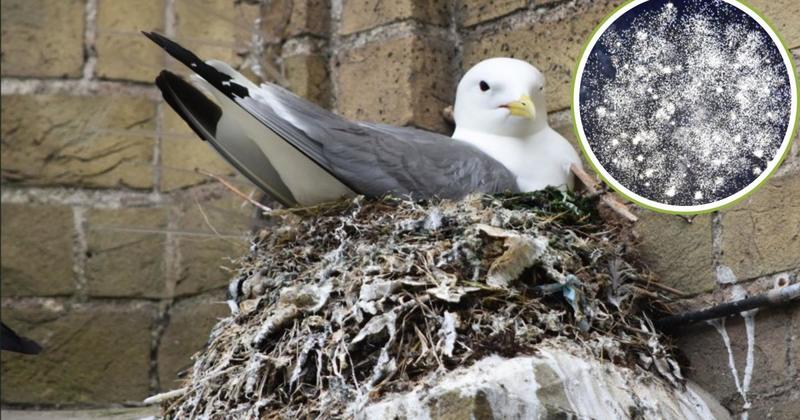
{"type": "Point", "coordinates": [341, 304]}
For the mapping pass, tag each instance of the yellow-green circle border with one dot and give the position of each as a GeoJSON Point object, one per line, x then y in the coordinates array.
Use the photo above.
{"type": "Point", "coordinates": [752, 188]}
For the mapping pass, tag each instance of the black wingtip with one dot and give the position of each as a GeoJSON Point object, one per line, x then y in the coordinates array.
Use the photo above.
{"type": "Point", "coordinates": [29, 346]}
{"type": "Point", "coordinates": [197, 65]}
{"type": "Point", "coordinates": [193, 106]}
{"type": "Point", "coordinates": [157, 38]}
{"type": "Point", "coordinates": [9, 340]}
{"type": "Point", "coordinates": [203, 116]}
{"type": "Point", "coordinates": [174, 49]}
{"type": "Point", "coordinates": [150, 35]}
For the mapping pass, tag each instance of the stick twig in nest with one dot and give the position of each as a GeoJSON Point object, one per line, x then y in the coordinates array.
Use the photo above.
{"type": "Point", "coordinates": [235, 190]}
{"type": "Point", "coordinates": [591, 186]}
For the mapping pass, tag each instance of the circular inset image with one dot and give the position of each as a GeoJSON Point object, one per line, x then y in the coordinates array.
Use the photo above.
{"type": "Point", "coordinates": [685, 106]}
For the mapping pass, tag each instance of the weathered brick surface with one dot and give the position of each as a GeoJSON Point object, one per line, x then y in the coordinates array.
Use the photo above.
{"type": "Point", "coordinates": [190, 322]}
{"type": "Point", "coordinates": [36, 249]}
{"type": "Point", "coordinates": [472, 12]}
{"type": "Point", "coordinates": [126, 252]}
{"type": "Point", "coordinates": [793, 341]}
{"type": "Point", "coordinates": [408, 80]}
{"type": "Point", "coordinates": [214, 29]}
{"type": "Point", "coordinates": [94, 141]}
{"type": "Point", "coordinates": [785, 406]}
{"type": "Point", "coordinates": [42, 38]}
{"type": "Point", "coordinates": [214, 21]}
{"type": "Point", "coordinates": [207, 262]}
{"type": "Point", "coordinates": [183, 153]}
{"type": "Point", "coordinates": [182, 156]}
{"type": "Point", "coordinates": [93, 354]}
{"type": "Point", "coordinates": [762, 234]}
{"type": "Point", "coordinates": [552, 44]}
{"type": "Point", "coordinates": [359, 15]}
{"type": "Point", "coordinates": [773, 368]}
{"type": "Point", "coordinates": [783, 15]}
{"type": "Point", "coordinates": [288, 18]}
{"type": "Point", "coordinates": [215, 231]}
{"type": "Point", "coordinates": [562, 123]}
{"type": "Point", "coordinates": [680, 253]}
{"type": "Point", "coordinates": [309, 17]}
{"type": "Point", "coordinates": [308, 77]}
{"type": "Point", "coordinates": [122, 51]}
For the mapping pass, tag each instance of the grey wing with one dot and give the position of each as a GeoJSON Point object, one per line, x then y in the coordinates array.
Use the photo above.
{"type": "Point", "coordinates": [376, 159]}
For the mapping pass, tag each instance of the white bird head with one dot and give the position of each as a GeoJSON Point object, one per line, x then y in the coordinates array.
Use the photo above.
{"type": "Point", "coordinates": [501, 96]}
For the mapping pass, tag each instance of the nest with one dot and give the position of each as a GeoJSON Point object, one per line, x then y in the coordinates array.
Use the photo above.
{"type": "Point", "coordinates": [339, 305]}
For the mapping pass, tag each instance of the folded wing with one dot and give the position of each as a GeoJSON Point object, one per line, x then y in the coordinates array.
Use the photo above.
{"type": "Point", "coordinates": [365, 158]}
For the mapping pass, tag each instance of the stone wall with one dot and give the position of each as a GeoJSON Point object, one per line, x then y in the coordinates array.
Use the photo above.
{"type": "Point", "coordinates": [114, 250]}
{"type": "Point", "coordinates": [106, 223]}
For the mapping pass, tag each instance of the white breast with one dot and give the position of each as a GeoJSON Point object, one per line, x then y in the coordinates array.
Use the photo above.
{"type": "Point", "coordinates": [539, 161]}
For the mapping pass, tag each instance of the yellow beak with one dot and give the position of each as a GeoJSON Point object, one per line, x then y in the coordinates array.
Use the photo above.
{"type": "Point", "coordinates": [523, 107]}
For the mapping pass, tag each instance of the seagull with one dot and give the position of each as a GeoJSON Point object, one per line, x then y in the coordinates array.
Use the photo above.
{"type": "Point", "coordinates": [9, 340]}
{"type": "Point", "coordinates": [513, 131]}
{"type": "Point", "coordinates": [302, 154]}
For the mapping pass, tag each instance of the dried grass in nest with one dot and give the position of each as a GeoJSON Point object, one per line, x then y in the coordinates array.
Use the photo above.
{"type": "Point", "coordinates": [342, 304]}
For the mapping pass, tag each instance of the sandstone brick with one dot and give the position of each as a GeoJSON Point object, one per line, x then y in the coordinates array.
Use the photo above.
{"type": "Point", "coordinates": [36, 250]}
{"type": "Point", "coordinates": [705, 350]}
{"type": "Point", "coordinates": [309, 17]}
{"type": "Point", "coordinates": [94, 354]}
{"type": "Point", "coordinates": [219, 211]}
{"type": "Point", "coordinates": [126, 255]}
{"type": "Point", "coordinates": [793, 340]}
{"type": "Point", "coordinates": [275, 20]}
{"type": "Point", "coordinates": [288, 18]}
{"type": "Point", "coordinates": [553, 45]}
{"type": "Point", "coordinates": [190, 322]}
{"type": "Point", "coordinates": [401, 81]}
{"type": "Point", "coordinates": [215, 21]}
{"type": "Point", "coordinates": [783, 15]}
{"type": "Point", "coordinates": [308, 77]}
{"type": "Point", "coordinates": [785, 406]}
{"type": "Point", "coordinates": [562, 123]}
{"type": "Point", "coordinates": [472, 12]}
{"type": "Point", "coordinates": [214, 234]}
{"type": "Point", "coordinates": [42, 38]}
{"type": "Point", "coordinates": [360, 15]}
{"type": "Point", "coordinates": [762, 234]}
{"type": "Point", "coordinates": [122, 51]}
{"type": "Point", "coordinates": [95, 141]}
{"type": "Point", "coordinates": [214, 29]}
{"type": "Point", "coordinates": [207, 262]}
{"type": "Point", "coordinates": [269, 63]}
{"type": "Point", "coordinates": [182, 153]}
{"type": "Point", "coordinates": [680, 253]}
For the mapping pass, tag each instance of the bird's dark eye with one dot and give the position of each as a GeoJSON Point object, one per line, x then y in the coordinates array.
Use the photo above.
{"type": "Point", "coordinates": [484, 86]}
{"type": "Point", "coordinates": [541, 88]}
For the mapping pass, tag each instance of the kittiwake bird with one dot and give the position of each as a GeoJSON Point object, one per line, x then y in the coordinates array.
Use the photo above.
{"type": "Point", "coordinates": [302, 154]}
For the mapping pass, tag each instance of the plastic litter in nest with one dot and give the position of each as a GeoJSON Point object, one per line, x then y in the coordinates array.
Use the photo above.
{"type": "Point", "coordinates": [338, 305]}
